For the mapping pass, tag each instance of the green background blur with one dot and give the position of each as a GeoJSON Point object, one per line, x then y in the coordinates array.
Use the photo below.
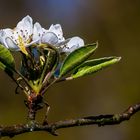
{"type": "Point", "coordinates": [116, 26]}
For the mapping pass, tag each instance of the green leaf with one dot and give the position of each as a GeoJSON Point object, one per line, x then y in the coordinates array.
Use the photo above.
{"type": "Point", "coordinates": [6, 60]}
{"type": "Point", "coordinates": [2, 66]}
{"type": "Point", "coordinates": [77, 57]}
{"type": "Point", "coordinates": [92, 66]}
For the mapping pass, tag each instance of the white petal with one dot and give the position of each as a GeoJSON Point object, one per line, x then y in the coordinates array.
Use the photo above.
{"type": "Point", "coordinates": [61, 44]}
{"type": "Point", "coordinates": [8, 32]}
{"type": "Point", "coordinates": [49, 38]}
{"type": "Point", "coordinates": [57, 29]}
{"type": "Point", "coordinates": [4, 34]}
{"type": "Point", "coordinates": [11, 45]}
{"type": "Point", "coordinates": [2, 38]}
{"type": "Point", "coordinates": [24, 27]}
{"type": "Point", "coordinates": [74, 43]}
{"type": "Point", "coordinates": [37, 31]}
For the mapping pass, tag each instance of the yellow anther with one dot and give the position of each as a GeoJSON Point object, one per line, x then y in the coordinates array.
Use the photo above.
{"type": "Point", "coordinates": [21, 45]}
{"type": "Point", "coordinates": [42, 60]}
{"type": "Point", "coordinates": [29, 39]}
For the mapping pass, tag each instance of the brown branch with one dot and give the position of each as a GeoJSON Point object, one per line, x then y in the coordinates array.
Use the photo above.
{"type": "Point", "coordinates": [100, 120]}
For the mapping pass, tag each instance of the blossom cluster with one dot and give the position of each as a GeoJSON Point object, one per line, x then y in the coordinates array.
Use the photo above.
{"type": "Point", "coordinates": [26, 34]}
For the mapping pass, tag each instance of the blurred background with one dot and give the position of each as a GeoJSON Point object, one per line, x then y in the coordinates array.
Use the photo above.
{"type": "Point", "coordinates": [115, 24]}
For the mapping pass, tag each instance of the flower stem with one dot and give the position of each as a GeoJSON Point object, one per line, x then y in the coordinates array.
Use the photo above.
{"type": "Point", "coordinates": [26, 81]}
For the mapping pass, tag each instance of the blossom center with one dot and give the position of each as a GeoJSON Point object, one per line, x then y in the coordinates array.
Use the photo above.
{"type": "Point", "coordinates": [21, 45]}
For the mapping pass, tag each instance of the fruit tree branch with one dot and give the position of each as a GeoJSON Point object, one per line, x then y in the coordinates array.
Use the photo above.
{"type": "Point", "coordinates": [100, 120]}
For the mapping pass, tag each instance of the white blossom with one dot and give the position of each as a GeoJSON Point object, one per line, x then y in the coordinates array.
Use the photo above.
{"type": "Point", "coordinates": [20, 37]}
{"type": "Point", "coordinates": [54, 36]}
{"type": "Point", "coordinates": [25, 34]}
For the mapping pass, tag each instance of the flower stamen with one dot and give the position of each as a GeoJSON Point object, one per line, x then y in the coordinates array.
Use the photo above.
{"type": "Point", "coordinates": [21, 45]}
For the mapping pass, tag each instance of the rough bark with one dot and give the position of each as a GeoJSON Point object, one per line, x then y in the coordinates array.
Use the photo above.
{"type": "Point", "coordinates": [100, 120]}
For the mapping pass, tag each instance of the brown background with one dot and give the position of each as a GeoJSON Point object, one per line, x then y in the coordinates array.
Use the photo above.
{"type": "Point", "coordinates": [116, 25]}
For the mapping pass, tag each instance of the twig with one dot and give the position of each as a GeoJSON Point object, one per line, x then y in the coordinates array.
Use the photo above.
{"type": "Point", "coordinates": [65, 79]}
{"type": "Point", "coordinates": [100, 120]}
